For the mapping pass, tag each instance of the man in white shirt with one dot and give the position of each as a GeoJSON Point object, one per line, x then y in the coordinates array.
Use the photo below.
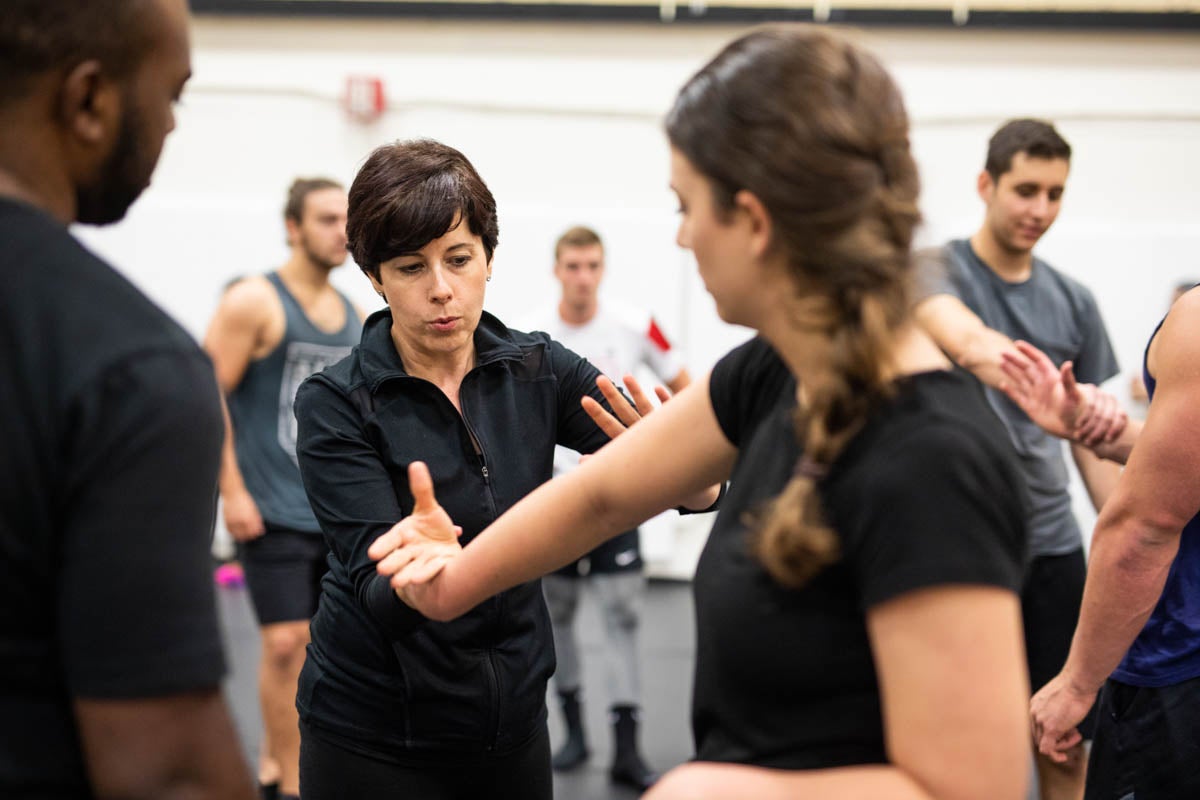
{"type": "Point", "coordinates": [617, 340]}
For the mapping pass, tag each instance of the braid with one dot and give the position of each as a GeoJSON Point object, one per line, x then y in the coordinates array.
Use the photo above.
{"type": "Point", "coordinates": [795, 541]}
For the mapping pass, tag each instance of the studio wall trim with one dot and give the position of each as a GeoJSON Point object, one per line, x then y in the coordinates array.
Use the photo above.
{"type": "Point", "coordinates": [1137, 15]}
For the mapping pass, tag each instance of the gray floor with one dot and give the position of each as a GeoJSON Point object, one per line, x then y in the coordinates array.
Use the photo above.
{"type": "Point", "coordinates": [667, 648]}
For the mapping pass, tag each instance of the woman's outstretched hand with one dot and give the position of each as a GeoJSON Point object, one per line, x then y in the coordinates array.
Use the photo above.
{"type": "Point", "coordinates": [415, 549]}
{"type": "Point", "coordinates": [626, 415]}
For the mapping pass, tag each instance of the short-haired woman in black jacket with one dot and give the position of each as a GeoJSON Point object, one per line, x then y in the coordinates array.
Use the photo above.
{"type": "Point", "coordinates": [392, 704]}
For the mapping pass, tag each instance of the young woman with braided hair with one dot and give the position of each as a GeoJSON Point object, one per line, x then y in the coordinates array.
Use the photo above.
{"type": "Point", "coordinates": [858, 628]}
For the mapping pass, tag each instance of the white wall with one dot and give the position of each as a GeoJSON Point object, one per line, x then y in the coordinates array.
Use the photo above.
{"type": "Point", "coordinates": [563, 121]}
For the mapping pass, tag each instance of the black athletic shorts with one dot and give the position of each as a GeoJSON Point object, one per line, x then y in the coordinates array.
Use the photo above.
{"type": "Point", "coordinates": [1147, 744]}
{"type": "Point", "coordinates": [283, 573]}
{"type": "Point", "coordinates": [331, 772]}
{"type": "Point", "coordinates": [1050, 603]}
{"type": "Point", "coordinates": [622, 553]}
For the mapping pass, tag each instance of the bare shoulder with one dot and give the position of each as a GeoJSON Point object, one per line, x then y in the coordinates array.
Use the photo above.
{"type": "Point", "coordinates": [252, 298]}
{"type": "Point", "coordinates": [1175, 351]}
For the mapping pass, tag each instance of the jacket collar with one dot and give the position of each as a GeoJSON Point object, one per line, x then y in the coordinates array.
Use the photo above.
{"type": "Point", "coordinates": [379, 360]}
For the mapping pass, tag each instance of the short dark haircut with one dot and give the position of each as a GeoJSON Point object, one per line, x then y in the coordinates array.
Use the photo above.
{"type": "Point", "coordinates": [39, 36]}
{"type": "Point", "coordinates": [411, 192]}
{"type": "Point", "coordinates": [1035, 137]}
{"type": "Point", "coordinates": [577, 236]}
{"type": "Point", "coordinates": [299, 191]}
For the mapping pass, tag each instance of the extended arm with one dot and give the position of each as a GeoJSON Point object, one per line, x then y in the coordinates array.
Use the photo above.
{"type": "Point", "coordinates": [625, 415]}
{"type": "Point", "coordinates": [675, 452]}
{"type": "Point", "coordinates": [961, 334]}
{"type": "Point", "coordinates": [1137, 533]}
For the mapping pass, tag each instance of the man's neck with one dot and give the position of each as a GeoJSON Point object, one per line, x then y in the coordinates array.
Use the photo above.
{"type": "Point", "coordinates": [301, 273]}
{"type": "Point", "coordinates": [55, 197]}
{"type": "Point", "coordinates": [577, 315]}
{"type": "Point", "coordinates": [1014, 266]}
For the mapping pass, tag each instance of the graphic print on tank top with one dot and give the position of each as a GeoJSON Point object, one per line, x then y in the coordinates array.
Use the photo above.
{"type": "Point", "coordinates": [302, 360]}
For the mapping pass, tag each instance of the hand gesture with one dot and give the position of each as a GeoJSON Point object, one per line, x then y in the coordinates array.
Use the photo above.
{"type": "Point", "coordinates": [1054, 712]}
{"type": "Point", "coordinates": [416, 548]}
{"type": "Point", "coordinates": [242, 519]}
{"type": "Point", "coordinates": [626, 414]}
{"type": "Point", "coordinates": [1058, 404]}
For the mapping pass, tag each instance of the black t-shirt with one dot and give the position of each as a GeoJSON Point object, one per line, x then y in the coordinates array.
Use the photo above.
{"type": "Point", "coordinates": [112, 435]}
{"type": "Point", "coordinates": [927, 493]}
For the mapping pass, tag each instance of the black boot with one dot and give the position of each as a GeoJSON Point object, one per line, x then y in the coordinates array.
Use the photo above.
{"type": "Point", "coordinates": [574, 751]}
{"type": "Point", "coordinates": [628, 768]}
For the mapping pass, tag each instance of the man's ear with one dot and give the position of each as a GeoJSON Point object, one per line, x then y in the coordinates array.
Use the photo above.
{"type": "Point", "coordinates": [985, 186]}
{"type": "Point", "coordinates": [755, 215]}
{"type": "Point", "coordinates": [89, 105]}
{"type": "Point", "coordinates": [293, 231]}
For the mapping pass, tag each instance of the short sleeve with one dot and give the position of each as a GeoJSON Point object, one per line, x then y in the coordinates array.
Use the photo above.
{"type": "Point", "coordinates": [932, 274]}
{"type": "Point", "coordinates": [745, 386]}
{"type": "Point", "coordinates": [136, 605]}
{"type": "Point", "coordinates": [1095, 362]}
{"type": "Point", "coordinates": [940, 507]}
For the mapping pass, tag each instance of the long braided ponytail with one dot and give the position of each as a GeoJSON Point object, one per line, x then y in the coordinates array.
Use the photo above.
{"type": "Point", "coordinates": [815, 128]}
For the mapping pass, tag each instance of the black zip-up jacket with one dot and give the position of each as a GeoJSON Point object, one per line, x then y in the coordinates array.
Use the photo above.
{"type": "Point", "coordinates": [379, 677]}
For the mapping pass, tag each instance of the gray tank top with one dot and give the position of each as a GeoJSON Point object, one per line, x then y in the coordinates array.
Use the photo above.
{"type": "Point", "coordinates": [261, 408]}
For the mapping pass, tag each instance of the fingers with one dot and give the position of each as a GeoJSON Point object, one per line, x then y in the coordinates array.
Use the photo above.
{"type": "Point", "coordinates": [1067, 374]}
{"type": "Point", "coordinates": [397, 559]}
{"type": "Point", "coordinates": [1101, 411]}
{"type": "Point", "coordinates": [386, 543]}
{"type": "Point", "coordinates": [1057, 748]}
{"type": "Point", "coordinates": [420, 483]}
{"type": "Point", "coordinates": [640, 400]}
{"type": "Point", "coordinates": [604, 420]}
{"type": "Point", "coordinates": [420, 570]}
{"type": "Point", "coordinates": [1103, 420]}
{"type": "Point", "coordinates": [663, 393]}
{"type": "Point", "coordinates": [620, 406]}
{"type": "Point", "coordinates": [1039, 360]}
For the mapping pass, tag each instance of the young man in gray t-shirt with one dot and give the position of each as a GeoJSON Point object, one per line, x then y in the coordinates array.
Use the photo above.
{"type": "Point", "coordinates": [976, 296]}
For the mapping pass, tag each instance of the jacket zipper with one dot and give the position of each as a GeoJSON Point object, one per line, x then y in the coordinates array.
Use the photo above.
{"type": "Point", "coordinates": [493, 673]}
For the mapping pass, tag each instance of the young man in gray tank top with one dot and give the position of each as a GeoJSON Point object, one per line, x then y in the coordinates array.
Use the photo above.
{"type": "Point", "coordinates": [976, 296]}
{"type": "Point", "coordinates": [269, 333]}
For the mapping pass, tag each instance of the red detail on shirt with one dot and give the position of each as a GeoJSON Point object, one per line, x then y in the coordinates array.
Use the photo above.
{"type": "Point", "coordinates": [657, 337]}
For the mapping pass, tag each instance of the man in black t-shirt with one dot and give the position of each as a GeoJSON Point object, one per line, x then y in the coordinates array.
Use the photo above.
{"type": "Point", "coordinates": [110, 655]}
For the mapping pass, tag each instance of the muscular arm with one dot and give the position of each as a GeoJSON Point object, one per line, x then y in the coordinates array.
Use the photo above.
{"type": "Point", "coordinates": [961, 334]}
{"type": "Point", "coordinates": [177, 746]}
{"type": "Point", "coordinates": [1137, 534]}
{"type": "Point", "coordinates": [234, 336]}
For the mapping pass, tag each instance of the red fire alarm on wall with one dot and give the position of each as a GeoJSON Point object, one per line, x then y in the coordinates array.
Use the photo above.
{"type": "Point", "coordinates": [364, 99]}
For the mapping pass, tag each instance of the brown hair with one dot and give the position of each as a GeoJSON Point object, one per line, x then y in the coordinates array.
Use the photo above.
{"type": "Point", "coordinates": [409, 193]}
{"type": "Point", "coordinates": [577, 236]}
{"type": "Point", "coordinates": [1035, 137]}
{"type": "Point", "coordinates": [815, 128]}
{"type": "Point", "coordinates": [299, 191]}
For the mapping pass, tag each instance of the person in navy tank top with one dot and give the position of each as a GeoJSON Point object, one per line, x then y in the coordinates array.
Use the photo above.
{"type": "Point", "coordinates": [269, 333]}
{"type": "Point", "coordinates": [1137, 644]}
